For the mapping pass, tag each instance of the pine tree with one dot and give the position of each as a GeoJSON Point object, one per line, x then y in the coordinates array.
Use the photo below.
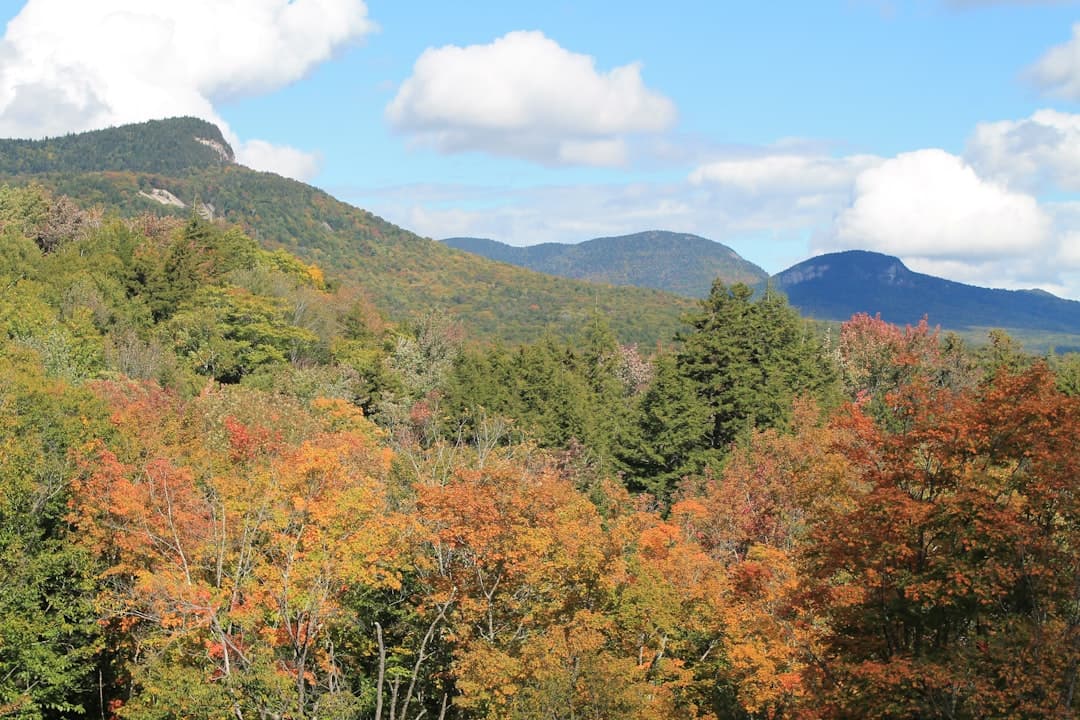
{"type": "Point", "coordinates": [739, 367]}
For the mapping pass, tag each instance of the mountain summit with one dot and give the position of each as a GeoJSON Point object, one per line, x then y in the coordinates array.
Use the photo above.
{"type": "Point", "coordinates": [837, 285]}
{"type": "Point", "coordinates": [157, 146]}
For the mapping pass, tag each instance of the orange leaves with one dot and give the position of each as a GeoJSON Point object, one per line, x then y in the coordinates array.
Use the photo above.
{"type": "Point", "coordinates": [772, 489]}
{"type": "Point", "coordinates": [558, 614]}
{"type": "Point", "coordinates": [768, 642]}
{"type": "Point", "coordinates": [225, 533]}
{"type": "Point", "coordinates": [875, 564]}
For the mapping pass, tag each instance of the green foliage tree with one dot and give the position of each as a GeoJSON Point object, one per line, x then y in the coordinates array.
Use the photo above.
{"type": "Point", "coordinates": [739, 367]}
{"type": "Point", "coordinates": [666, 440]}
{"type": "Point", "coordinates": [49, 637]}
{"type": "Point", "coordinates": [1067, 371]}
{"type": "Point", "coordinates": [229, 333]}
{"type": "Point", "coordinates": [558, 393]}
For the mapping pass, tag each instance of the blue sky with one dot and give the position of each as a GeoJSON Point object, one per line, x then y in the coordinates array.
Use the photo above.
{"type": "Point", "coordinates": [943, 131]}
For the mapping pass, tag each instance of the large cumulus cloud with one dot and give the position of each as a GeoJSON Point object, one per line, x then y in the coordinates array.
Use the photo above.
{"type": "Point", "coordinates": [525, 96]}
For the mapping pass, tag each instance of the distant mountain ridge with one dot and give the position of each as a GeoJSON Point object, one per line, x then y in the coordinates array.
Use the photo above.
{"type": "Point", "coordinates": [837, 285]}
{"type": "Point", "coordinates": [679, 263]}
{"type": "Point", "coordinates": [177, 165]}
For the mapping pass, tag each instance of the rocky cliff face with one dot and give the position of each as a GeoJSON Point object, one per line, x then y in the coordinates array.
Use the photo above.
{"type": "Point", "coordinates": [224, 151]}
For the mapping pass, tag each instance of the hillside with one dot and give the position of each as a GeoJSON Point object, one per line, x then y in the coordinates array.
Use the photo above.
{"type": "Point", "coordinates": [679, 263]}
{"type": "Point", "coordinates": [165, 166]}
{"type": "Point", "coordinates": [836, 285]}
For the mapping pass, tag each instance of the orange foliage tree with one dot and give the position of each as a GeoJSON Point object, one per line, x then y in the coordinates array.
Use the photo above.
{"type": "Point", "coordinates": [556, 615]}
{"type": "Point", "coordinates": [754, 520]}
{"type": "Point", "coordinates": [229, 546]}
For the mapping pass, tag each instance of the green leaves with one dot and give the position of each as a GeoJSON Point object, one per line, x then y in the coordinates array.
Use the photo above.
{"type": "Point", "coordinates": [228, 333]}
{"type": "Point", "coordinates": [49, 636]}
{"type": "Point", "coordinates": [740, 367]}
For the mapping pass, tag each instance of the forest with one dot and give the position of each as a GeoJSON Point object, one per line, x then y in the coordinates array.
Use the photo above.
{"type": "Point", "coordinates": [230, 488]}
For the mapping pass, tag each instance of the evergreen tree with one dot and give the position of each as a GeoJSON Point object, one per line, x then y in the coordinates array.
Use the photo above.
{"type": "Point", "coordinates": [739, 367]}
{"type": "Point", "coordinates": [666, 441]}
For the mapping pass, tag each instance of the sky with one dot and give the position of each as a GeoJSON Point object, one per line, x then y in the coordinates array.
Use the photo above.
{"type": "Point", "coordinates": [946, 132]}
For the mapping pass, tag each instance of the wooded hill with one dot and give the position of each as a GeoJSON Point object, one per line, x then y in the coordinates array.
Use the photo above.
{"type": "Point", "coordinates": [227, 490]}
{"type": "Point", "coordinates": [678, 263]}
{"type": "Point", "coordinates": [404, 275]}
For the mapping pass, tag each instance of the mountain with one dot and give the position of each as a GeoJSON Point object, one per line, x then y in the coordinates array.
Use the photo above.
{"type": "Point", "coordinates": [178, 166]}
{"type": "Point", "coordinates": [170, 146]}
{"type": "Point", "coordinates": [679, 263]}
{"type": "Point", "coordinates": [837, 285]}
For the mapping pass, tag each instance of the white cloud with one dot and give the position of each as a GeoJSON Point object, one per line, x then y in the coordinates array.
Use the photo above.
{"type": "Point", "coordinates": [1066, 256]}
{"type": "Point", "coordinates": [932, 204]}
{"type": "Point", "coordinates": [1058, 70]}
{"type": "Point", "coordinates": [525, 96]}
{"type": "Point", "coordinates": [527, 216]}
{"type": "Point", "coordinates": [72, 66]}
{"type": "Point", "coordinates": [280, 159]}
{"type": "Point", "coordinates": [572, 213]}
{"type": "Point", "coordinates": [785, 173]}
{"type": "Point", "coordinates": [1036, 153]}
{"type": "Point", "coordinates": [928, 207]}
{"type": "Point", "coordinates": [1069, 253]}
{"type": "Point", "coordinates": [941, 217]}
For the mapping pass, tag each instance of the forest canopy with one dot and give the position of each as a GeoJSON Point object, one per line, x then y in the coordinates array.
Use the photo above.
{"type": "Point", "coordinates": [232, 489]}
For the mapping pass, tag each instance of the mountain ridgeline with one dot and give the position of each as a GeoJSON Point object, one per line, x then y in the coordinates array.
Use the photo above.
{"type": "Point", "coordinates": [642, 283]}
{"type": "Point", "coordinates": [837, 285]}
{"type": "Point", "coordinates": [168, 166]}
{"type": "Point", "coordinates": [678, 263]}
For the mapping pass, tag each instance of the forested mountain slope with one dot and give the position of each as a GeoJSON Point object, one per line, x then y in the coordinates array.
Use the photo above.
{"type": "Point", "coordinates": [158, 147]}
{"type": "Point", "coordinates": [679, 263]}
{"type": "Point", "coordinates": [405, 275]}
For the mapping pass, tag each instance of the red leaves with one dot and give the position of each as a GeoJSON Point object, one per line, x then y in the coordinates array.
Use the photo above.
{"type": "Point", "coordinates": [247, 442]}
{"type": "Point", "coordinates": [961, 537]}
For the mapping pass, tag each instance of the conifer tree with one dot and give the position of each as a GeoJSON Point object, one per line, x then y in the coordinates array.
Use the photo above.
{"type": "Point", "coordinates": [739, 367]}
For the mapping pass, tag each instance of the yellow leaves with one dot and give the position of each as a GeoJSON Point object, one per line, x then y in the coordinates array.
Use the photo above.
{"type": "Point", "coordinates": [340, 416]}
{"type": "Point", "coordinates": [246, 529]}
{"type": "Point", "coordinates": [767, 645]}
{"type": "Point", "coordinates": [315, 273]}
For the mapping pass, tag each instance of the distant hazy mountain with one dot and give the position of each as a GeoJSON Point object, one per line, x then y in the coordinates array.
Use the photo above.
{"type": "Point", "coordinates": [676, 262]}
{"type": "Point", "coordinates": [837, 285]}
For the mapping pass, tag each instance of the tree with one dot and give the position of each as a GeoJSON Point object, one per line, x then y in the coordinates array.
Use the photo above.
{"type": "Point", "coordinates": [231, 546]}
{"type": "Point", "coordinates": [739, 367]}
{"type": "Point", "coordinates": [950, 588]}
{"type": "Point", "coordinates": [754, 519]}
{"type": "Point", "coordinates": [666, 443]}
{"type": "Point", "coordinates": [554, 615]}
{"type": "Point", "coordinates": [878, 359]}
{"type": "Point", "coordinates": [49, 637]}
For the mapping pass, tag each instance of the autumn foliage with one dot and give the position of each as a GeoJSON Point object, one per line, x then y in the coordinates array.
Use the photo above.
{"type": "Point", "coordinates": [228, 490]}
